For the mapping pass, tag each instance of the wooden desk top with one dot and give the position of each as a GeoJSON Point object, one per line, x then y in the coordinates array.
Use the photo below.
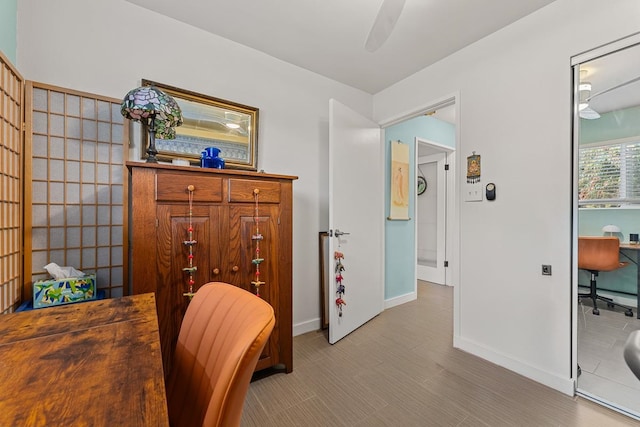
{"type": "Point", "coordinates": [94, 363]}
{"type": "Point", "coordinates": [635, 247]}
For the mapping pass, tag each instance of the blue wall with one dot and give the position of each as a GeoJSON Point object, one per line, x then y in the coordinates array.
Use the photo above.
{"type": "Point", "coordinates": [400, 261]}
{"type": "Point", "coordinates": [8, 22]}
{"type": "Point", "coordinates": [614, 125]}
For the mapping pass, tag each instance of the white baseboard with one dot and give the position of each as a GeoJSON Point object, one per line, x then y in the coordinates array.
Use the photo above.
{"type": "Point", "coordinates": [627, 300]}
{"type": "Point", "coordinates": [562, 384]}
{"type": "Point", "coordinates": [399, 300]}
{"type": "Point", "coordinates": [308, 326]}
{"type": "Point", "coordinates": [314, 324]}
{"type": "Point", "coordinates": [624, 299]}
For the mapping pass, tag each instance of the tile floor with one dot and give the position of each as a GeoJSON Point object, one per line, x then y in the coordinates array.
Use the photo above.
{"type": "Point", "coordinates": [605, 374]}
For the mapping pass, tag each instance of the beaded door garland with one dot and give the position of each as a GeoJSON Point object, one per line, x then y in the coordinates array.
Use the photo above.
{"type": "Point", "coordinates": [190, 243]}
{"type": "Point", "coordinates": [340, 289]}
{"type": "Point", "coordinates": [257, 237]}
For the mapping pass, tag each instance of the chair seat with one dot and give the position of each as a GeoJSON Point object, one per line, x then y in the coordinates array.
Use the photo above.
{"type": "Point", "coordinates": [620, 264]}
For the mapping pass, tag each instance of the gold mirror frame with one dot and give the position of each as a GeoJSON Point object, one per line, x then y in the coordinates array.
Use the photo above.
{"type": "Point", "coordinates": [209, 122]}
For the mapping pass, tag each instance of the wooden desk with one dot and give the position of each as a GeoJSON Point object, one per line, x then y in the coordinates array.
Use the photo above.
{"type": "Point", "coordinates": [636, 250]}
{"type": "Point", "coordinates": [93, 364]}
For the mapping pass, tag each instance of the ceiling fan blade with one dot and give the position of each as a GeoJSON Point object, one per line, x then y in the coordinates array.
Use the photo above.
{"type": "Point", "coordinates": [383, 25]}
{"type": "Point", "coordinates": [589, 114]}
{"type": "Point", "coordinates": [613, 88]}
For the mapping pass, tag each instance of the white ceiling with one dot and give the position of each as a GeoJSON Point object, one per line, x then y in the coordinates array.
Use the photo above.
{"type": "Point", "coordinates": [328, 36]}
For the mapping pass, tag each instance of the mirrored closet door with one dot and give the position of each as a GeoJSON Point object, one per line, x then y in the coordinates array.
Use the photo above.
{"type": "Point", "coordinates": [607, 214]}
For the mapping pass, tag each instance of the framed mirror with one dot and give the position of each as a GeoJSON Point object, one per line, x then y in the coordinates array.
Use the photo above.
{"type": "Point", "coordinates": [210, 122]}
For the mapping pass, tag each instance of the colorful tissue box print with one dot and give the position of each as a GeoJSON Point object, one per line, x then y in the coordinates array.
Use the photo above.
{"type": "Point", "coordinates": [56, 292]}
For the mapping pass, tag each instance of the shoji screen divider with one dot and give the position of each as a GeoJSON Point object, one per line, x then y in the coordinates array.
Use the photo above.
{"type": "Point", "coordinates": [76, 186]}
{"type": "Point", "coordinates": [11, 184]}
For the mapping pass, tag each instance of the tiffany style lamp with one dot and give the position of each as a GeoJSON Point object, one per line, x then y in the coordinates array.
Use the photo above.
{"type": "Point", "coordinates": [154, 109]}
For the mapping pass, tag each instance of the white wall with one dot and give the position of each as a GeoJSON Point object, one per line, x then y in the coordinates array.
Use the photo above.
{"type": "Point", "coordinates": [515, 111]}
{"type": "Point", "coordinates": [107, 46]}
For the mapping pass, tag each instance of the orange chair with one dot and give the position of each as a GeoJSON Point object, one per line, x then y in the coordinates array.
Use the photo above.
{"type": "Point", "coordinates": [596, 254]}
{"type": "Point", "coordinates": [221, 338]}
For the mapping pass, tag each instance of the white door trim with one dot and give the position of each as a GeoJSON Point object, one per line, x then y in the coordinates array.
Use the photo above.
{"type": "Point", "coordinates": [437, 273]}
{"type": "Point", "coordinates": [450, 196]}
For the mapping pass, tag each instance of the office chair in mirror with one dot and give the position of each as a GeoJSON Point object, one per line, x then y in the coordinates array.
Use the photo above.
{"type": "Point", "coordinates": [595, 255]}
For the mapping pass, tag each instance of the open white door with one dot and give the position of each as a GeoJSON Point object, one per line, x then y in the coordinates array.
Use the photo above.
{"type": "Point", "coordinates": [356, 208]}
{"type": "Point", "coordinates": [431, 214]}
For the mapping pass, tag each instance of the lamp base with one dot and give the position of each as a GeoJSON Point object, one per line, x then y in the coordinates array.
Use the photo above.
{"type": "Point", "coordinates": [151, 156]}
{"type": "Point", "coordinates": [151, 151]}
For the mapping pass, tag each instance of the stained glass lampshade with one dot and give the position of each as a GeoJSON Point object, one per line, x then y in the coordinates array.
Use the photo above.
{"type": "Point", "coordinates": [155, 109]}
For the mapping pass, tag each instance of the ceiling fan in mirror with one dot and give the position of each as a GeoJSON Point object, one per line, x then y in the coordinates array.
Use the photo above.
{"type": "Point", "coordinates": [584, 93]}
{"type": "Point", "coordinates": [585, 110]}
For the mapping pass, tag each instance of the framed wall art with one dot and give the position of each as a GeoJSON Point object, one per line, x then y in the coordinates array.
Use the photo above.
{"type": "Point", "coordinates": [399, 197]}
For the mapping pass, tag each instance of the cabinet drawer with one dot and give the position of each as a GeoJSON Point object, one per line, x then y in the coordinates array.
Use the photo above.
{"type": "Point", "coordinates": [172, 187]}
{"type": "Point", "coordinates": [241, 190]}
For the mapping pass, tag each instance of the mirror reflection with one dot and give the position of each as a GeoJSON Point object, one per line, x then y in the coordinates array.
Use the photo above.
{"type": "Point", "coordinates": [608, 105]}
{"type": "Point", "coordinates": [210, 122]}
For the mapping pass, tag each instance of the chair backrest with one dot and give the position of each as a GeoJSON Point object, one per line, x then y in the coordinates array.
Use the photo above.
{"type": "Point", "coordinates": [598, 253]}
{"type": "Point", "coordinates": [221, 338]}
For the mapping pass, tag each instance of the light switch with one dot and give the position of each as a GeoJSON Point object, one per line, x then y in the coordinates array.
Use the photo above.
{"type": "Point", "coordinates": [473, 192]}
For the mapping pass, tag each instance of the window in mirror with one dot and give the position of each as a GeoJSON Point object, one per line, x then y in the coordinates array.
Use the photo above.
{"type": "Point", "coordinates": [608, 104]}
{"type": "Point", "coordinates": [609, 174]}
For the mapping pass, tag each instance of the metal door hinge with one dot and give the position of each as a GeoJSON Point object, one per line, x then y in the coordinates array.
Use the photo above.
{"type": "Point", "coordinates": [446, 263]}
{"type": "Point", "coordinates": [446, 167]}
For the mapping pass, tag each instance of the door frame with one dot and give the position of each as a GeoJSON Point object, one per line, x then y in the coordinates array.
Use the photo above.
{"type": "Point", "coordinates": [454, 261]}
{"type": "Point", "coordinates": [449, 200]}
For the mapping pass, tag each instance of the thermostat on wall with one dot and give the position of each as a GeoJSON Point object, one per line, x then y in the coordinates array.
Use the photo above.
{"type": "Point", "coordinates": [491, 191]}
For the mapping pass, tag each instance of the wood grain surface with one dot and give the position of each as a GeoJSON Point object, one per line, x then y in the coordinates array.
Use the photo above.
{"type": "Point", "coordinates": [90, 364]}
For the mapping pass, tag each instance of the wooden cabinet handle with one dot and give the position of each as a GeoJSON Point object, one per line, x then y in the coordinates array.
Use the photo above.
{"type": "Point", "coordinates": [215, 271]}
{"type": "Point", "coordinates": [235, 268]}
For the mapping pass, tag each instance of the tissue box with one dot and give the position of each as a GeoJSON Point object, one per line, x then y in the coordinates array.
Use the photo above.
{"type": "Point", "coordinates": [65, 291]}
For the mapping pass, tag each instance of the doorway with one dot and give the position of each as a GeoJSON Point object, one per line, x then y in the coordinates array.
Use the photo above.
{"type": "Point", "coordinates": [606, 201]}
{"type": "Point", "coordinates": [436, 123]}
{"type": "Point", "coordinates": [434, 165]}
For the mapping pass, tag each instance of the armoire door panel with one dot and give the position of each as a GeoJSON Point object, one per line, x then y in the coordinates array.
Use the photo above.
{"type": "Point", "coordinates": [244, 248]}
{"type": "Point", "coordinates": [173, 256]}
{"type": "Point", "coordinates": [244, 227]}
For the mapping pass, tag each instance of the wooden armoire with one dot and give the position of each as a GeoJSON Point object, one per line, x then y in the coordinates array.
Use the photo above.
{"type": "Point", "coordinates": [223, 219]}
